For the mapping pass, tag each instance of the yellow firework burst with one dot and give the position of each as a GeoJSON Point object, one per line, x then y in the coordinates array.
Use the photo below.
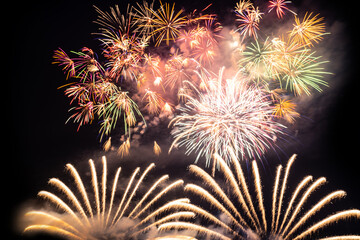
{"type": "Point", "coordinates": [166, 23]}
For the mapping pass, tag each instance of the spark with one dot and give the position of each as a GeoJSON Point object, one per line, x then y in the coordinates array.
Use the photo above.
{"type": "Point", "coordinates": [157, 81]}
{"type": "Point", "coordinates": [167, 109]}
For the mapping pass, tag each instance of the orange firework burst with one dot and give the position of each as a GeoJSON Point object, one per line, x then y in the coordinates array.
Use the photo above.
{"type": "Point", "coordinates": [309, 30]}
{"type": "Point", "coordinates": [286, 109]}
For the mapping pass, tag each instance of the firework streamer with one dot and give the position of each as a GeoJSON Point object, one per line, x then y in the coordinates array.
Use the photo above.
{"type": "Point", "coordinates": [245, 214]}
{"type": "Point", "coordinates": [96, 213]}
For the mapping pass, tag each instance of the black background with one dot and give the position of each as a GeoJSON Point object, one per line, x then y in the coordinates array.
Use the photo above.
{"type": "Point", "coordinates": [41, 143]}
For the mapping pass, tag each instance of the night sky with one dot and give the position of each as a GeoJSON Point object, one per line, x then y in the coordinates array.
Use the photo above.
{"type": "Point", "coordinates": [327, 143]}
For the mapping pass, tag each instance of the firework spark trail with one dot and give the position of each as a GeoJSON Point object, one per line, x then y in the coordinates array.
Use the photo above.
{"type": "Point", "coordinates": [157, 149]}
{"type": "Point", "coordinates": [283, 224]}
{"type": "Point", "coordinates": [283, 188]}
{"type": "Point", "coordinates": [154, 101]}
{"type": "Point", "coordinates": [186, 225]}
{"type": "Point", "coordinates": [82, 220]}
{"type": "Point", "coordinates": [174, 237]}
{"type": "Point", "coordinates": [123, 149]}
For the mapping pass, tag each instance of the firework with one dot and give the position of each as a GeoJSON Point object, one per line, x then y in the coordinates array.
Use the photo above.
{"type": "Point", "coordinates": [286, 109]}
{"type": "Point", "coordinates": [85, 66]}
{"type": "Point", "coordinates": [95, 214]}
{"type": "Point", "coordinates": [303, 72]}
{"type": "Point", "coordinates": [288, 62]}
{"type": "Point", "coordinates": [229, 114]}
{"type": "Point", "coordinates": [114, 20]}
{"type": "Point", "coordinates": [124, 148]}
{"type": "Point", "coordinates": [245, 214]}
{"type": "Point", "coordinates": [154, 102]}
{"type": "Point", "coordinates": [120, 105]}
{"type": "Point", "coordinates": [124, 53]}
{"type": "Point", "coordinates": [123, 48]}
{"type": "Point", "coordinates": [166, 23]}
{"type": "Point", "coordinates": [309, 30]}
{"type": "Point", "coordinates": [256, 60]}
{"type": "Point", "coordinates": [249, 21]}
{"type": "Point", "coordinates": [131, 42]}
{"type": "Point", "coordinates": [280, 7]}
{"type": "Point", "coordinates": [96, 95]}
{"type": "Point", "coordinates": [143, 14]}
{"type": "Point", "coordinates": [179, 69]}
{"type": "Point", "coordinates": [157, 149]}
{"type": "Point", "coordinates": [242, 6]}
{"type": "Point", "coordinates": [61, 58]}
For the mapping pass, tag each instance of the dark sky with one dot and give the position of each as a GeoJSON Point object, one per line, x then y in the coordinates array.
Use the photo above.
{"type": "Point", "coordinates": [41, 143]}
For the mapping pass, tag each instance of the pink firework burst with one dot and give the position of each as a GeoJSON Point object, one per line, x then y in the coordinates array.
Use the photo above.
{"type": "Point", "coordinates": [280, 7]}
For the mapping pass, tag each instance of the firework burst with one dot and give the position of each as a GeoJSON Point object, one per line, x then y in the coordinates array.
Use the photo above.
{"type": "Point", "coordinates": [280, 7]}
{"type": "Point", "coordinates": [244, 214]}
{"type": "Point", "coordinates": [310, 29]}
{"type": "Point", "coordinates": [166, 23]}
{"type": "Point", "coordinates": [228, 114]}
{"type": "Point", "coordinates": [303, 72]}
{"type": "Point", "coordinates": [286, 109]}
{"type": "Point", "coordinates": [295, 67]}
{"type": "Point", "coordinates": [95, 214]}
{"type": "Point", "coordinates": [249, 21]}
{"type": "Point", "coordinates": [95, 94]}
{"type": "Point", "coordinates": [144, 17]}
